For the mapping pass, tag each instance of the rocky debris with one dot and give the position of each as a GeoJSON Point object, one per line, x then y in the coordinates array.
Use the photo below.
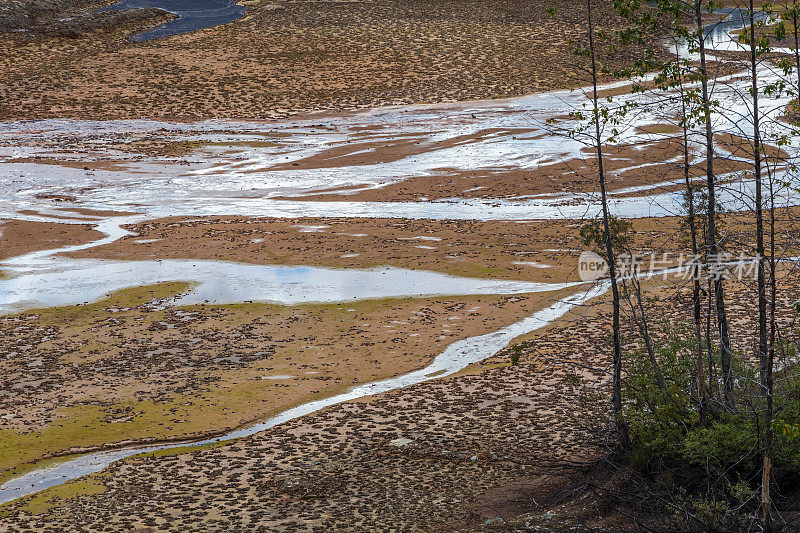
{"type": "Point", "coordinates": [70, 18]}
{"type": "Point", "coordinates": [308, 486]}
{"type": "Point", "coordinates": [56, 197]}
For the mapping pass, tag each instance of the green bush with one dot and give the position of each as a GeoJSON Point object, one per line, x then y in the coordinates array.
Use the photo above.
{"type": "Point", "coordinates": [711, 467]}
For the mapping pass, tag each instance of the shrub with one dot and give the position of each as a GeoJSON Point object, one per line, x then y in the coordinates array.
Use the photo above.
{"type": "Point", "coordinates": [710, 469]}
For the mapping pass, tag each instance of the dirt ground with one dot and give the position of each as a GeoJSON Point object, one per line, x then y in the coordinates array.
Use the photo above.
{"type": "Point", "coordinates": [286, 57]}
{"type": "Point", "coordinates": [471, 455]}
{"type": "Point", "coordinates": [126, 369]}
{"type": "Point", "coordinates": [342, 469]}
{"type": "Point", "coordinates": [21, 237]}
{"type": "Point", "coordinates": [532, 250]}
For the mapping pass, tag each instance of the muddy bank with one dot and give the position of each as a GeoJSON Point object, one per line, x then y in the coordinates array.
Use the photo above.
{"type": "Point", "coordinates": [533, 250]}
{"type": "Point", "coordinates": [427, 454]}
{"type": "Point", "coordinates": [436, 454]}
{"type": "Point", "coordinates": [645, 168]}
{"type": "Point", "coordinates": [20, 237]}
{"type": "Point", "coordinates": [40, 19]}
{"type": "Point", "coordinates": [129, 369]}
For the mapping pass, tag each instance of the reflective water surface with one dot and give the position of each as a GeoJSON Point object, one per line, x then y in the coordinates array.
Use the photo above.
{"type": "Point", "coordinates": [192, 15]}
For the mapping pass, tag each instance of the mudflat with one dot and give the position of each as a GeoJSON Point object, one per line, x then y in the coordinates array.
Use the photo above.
{"type": "Point", "coordinates": [294, 57]}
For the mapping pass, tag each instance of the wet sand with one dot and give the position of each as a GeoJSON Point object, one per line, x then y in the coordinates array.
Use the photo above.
{"type": "Point", "coordinates": [535, 250]}
{"type": "Point", "coordinates": [529, 250]}
{"type": "Point", "coordinates": [380, 164]}
{"type": "Point", "coordinates": [20, 237]}
{"type": "Point", "coordinates": [127, 370]}
{"type": "Point", "coordinates": [137, 406]}
{"type": "Point", "coordinates": [640, 165]}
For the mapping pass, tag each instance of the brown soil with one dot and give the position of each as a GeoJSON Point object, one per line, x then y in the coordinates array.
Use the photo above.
{"type": "Point", "coordinates": [125, 369]}
{"type": "Point", "coordinates": [537, 250]}
{"type": "Point", "coordinates": [20, 237]}
{"type": "Point", "coordinates": [337, 470]}
{"type": "Point", "coordinates": [287, 57]}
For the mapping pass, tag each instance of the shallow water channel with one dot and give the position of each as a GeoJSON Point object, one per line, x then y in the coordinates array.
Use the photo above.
{"type": "Point", "coordinates": [192, 15]}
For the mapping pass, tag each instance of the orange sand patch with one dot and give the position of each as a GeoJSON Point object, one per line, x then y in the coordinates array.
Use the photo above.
{"type": "Point", "coordinates": [18, 237]}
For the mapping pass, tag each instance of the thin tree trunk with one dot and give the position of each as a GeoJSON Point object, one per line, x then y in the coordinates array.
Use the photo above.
{"type": "Point", "coordinates": [796, 50]}
{"type": "Point", "coordinates": [702, 391]}
{"type": "Point", "coordinates": [713, 250]}
{"type": "Point", "coordinates": [710, 311]}
{"type": "Point", "coordinates": [761, 281]}
{"type": "Point", "coordinates": [766, 472]}
{"type": "Point", "coordinates": [616, 395]}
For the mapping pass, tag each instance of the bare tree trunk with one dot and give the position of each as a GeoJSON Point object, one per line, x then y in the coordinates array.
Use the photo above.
{"type": "Point", "coordinates": [616, 395]}
{"type": "Point", "coordinates": [766, 473]}
{"type": "Point", "coordinates": [763, 339]}
{"type": "Point", "coordinates": [796, 50]}
{"type": "Point", "coordinates": [710, 311]}
{"type": "Point", "coordinates": [762, 295]}
{"type": "Point", "coordinates": [702, 391]}
{"type": "Point", "coordinates": [761, 281]}
{"type": "Point", "coordinates": [719, 287]}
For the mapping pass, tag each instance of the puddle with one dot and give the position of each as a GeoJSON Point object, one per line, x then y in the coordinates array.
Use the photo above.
{"type": "Point", "coordinates": [311, 229]}
{"type": "Point", "coordinates": [533, 264]}
{"type": "Point", "coordinates": [59, 282]}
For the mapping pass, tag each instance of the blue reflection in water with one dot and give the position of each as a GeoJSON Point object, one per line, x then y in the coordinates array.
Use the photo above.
{"type": "Point", "coordinates": [192, 15]}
